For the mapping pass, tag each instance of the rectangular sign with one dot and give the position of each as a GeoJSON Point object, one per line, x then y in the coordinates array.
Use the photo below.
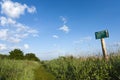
{"type": "Point", "coordinates": [101, 34]}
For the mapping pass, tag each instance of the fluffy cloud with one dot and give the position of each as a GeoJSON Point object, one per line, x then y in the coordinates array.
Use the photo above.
{"type": "Point", "coordinates": [26, 46]}
{"type": "Point", "coordinates": [6, 35]}
{"type": "Point", "coordinates": [15, 9]}
{"type": "Point", "coordinates": [25, 29]}
{"type": "Point", "coordinates": [6, 21]}
{"type": "Point", "coordinates": [11, 30]}
{"type": "Point", "coordinates": [64, 28]}
{"type": "Point", "coordinates": [3, 34]}
{"type": "Point", "coordinates": [14, 39]}
{"type": "Point", "coordinates": [3, 47]}
{"type": "Point", "coordinates": [15, 31]}
{"type": "Point", "coordinates": [55, 36]}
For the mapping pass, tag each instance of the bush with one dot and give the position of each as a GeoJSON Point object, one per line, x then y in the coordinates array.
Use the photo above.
{"type": "Point", "coordinates": [16, 54]}
{"type": "Point", "coordinates": [31, 56]}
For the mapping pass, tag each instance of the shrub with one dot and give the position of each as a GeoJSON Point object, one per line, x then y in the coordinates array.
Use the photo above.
{"type": "Point", "coordinates": [16, 54]}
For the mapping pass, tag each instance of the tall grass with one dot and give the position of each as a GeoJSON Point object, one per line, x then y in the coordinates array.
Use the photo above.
{"type": "Point", "coordinates": [91, 68]}
{"type": "Point", "coordinates": [23, 70]}
{"type": "Point", "coordinates": [63, 68]}
{"type": "Point", "coordinates": [17, 69]}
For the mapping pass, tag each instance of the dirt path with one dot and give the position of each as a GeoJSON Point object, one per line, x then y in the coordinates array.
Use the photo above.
{"type": "Point", "coordinates": [42, 74]}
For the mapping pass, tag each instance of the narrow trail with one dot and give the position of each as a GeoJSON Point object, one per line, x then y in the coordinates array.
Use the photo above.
{"type": "Point", "coordinates": [42, 74]}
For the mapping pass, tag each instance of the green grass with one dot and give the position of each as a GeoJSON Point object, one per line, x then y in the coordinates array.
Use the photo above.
{"type": "Point", "coordinates": [17, 69]}
{"type": "Point", "coordinates": [63, 68]}
{"type": "Point", "coordinates": [23, 70]}
{"type": "Point", "coordinates": [91, 68]}
{"type": "Point", "coordinates": [42, 74]}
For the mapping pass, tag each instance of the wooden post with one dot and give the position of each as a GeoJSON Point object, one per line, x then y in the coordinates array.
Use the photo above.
{"type": "Point", "coordinates": [104, 49]}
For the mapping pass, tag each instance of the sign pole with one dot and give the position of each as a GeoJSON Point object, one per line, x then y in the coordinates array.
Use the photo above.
{"type": "Point", "coordinates": [101, 35]}
{"type": "Point", "coordinates": [104, 49]}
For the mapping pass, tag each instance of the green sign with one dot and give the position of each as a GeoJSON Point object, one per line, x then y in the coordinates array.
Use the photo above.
{"type": "Point", "coordinates": [101, 34]}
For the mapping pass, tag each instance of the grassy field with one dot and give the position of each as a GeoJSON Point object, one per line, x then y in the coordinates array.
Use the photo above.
{"type": "Point", "coordinates": [63, 68]}
{"type": "Point", "coordinates": [23, 70]}
{"type": "Point", "coordinates": [90, 68]}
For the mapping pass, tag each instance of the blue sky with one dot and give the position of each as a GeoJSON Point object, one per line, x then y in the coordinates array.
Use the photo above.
{"type": "Point", "coordinates": [52, 28]}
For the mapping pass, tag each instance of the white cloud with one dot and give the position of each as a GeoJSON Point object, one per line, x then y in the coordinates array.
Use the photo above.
{"type": "Point", "coordinates": [55, 36]}
{"type": "Point", "coordinates": [26, 46]}
{"type": "Point", "coordinates": [64, 28]}
{"type": "Point", "coordinates": [3, 47]}
{"type": "Point", "coordinates": [26, 30]}
{"type": "Point", "coordinates": [21, 35]}
{"type": "Point", "coordinates": [31, 9]}
{"type": "Point", "coordinates": [63, 19]}
{"type": "Point", "coordinates": [32, 31]}
{"type": "Point", "coordinates": [15, 9]}
{"type": "Point", "coordinates": [6, 21]}
{"type": "Point", "coordinates": [15, 31]}
{"type": "Point", "coordinates": [6, 35]}
{"type": "Point", "coordinates": [14, 39]}
{"type": "Point", "coordinates": [11, 31]}
{"type": "Point", "coordinates": [12, 9]}
{"type": "Point", "coordinates": [3, 34]}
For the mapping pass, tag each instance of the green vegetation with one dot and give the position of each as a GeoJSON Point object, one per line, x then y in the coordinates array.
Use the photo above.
{"type": "Point", "coordinates": [91, 68]}
{"type": "Point", "coordinates": [23, 70]}
{"type": "Point", "coordinates": [17, 54]}
{"type": "Point", "coordinates": [17, 69]}
{"type": "Point", "coordinates": [18, 66]}
{"type": "Point", "coordinates": [42, 74]}
{"type": "Point", "coordinates": [31, 56]}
